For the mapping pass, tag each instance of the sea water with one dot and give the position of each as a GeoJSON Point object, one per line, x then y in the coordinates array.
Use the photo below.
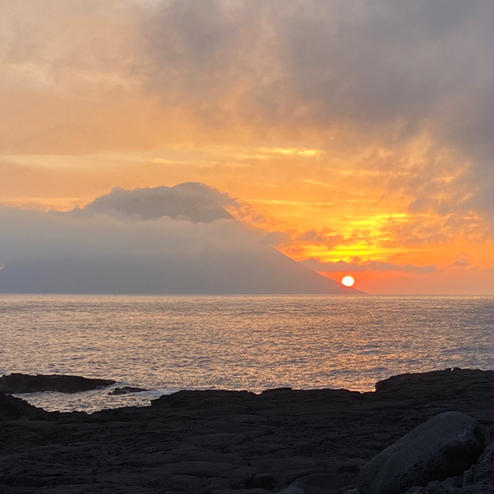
{"type": "Point", "coordinates": [168, 343]}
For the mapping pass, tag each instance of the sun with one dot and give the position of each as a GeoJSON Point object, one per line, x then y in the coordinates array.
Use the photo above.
{"type": "Point", "coordinates": [348, 281]}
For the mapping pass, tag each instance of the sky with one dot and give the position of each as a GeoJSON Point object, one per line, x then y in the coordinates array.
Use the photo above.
{"type": "Point", "coordinates": [354, 137]}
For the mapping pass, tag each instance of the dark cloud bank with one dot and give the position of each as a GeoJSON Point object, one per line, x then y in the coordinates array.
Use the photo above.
{"type": "Point", "coordinates": [153, 240]}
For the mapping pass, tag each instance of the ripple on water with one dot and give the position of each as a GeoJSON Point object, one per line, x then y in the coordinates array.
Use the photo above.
{"type": "Point", "coordinates": [239, 342]}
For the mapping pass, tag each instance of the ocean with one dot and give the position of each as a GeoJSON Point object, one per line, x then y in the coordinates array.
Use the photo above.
{"type": "Point", "coordinates": [169, 343]}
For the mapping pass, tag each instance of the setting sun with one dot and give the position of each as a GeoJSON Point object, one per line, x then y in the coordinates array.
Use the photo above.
{"type": "Point", "coordinates": [348, 281]}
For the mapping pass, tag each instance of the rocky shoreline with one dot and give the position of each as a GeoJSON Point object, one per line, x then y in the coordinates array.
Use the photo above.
{"type": "Point", "coordinates": [286, 441]}
{"type": "Point", "coordinates": [26, 383]}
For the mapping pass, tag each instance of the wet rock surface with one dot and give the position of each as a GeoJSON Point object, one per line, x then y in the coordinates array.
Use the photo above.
{"type": "Point", "coordinates": [25, 383]}
{"type": "Point", "coordinates": [205, 442]}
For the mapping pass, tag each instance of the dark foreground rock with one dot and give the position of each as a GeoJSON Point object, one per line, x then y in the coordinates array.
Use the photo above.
{"type": "Point", "coordinates": [25, 383]}
{"type": "Point", "coordinates": [444, 446]}
{"type": "Point", "coordinates": [12, 408]}
{"type": "Point", "coordinates": [219, 442]}
{"type": "Point", "coordinates": [478, 479]}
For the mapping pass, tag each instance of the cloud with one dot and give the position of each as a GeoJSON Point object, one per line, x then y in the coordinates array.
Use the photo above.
{"type": "Point", "coordinates": [353, 76]}
{"type": "Point", "coordinates": [427, 229]}
{"type": "Point", "coordinates": [161, 240]}
{"type": "Point", "coordinates": [390, 74]}
{"type": "Point", "coordinates": [191, 201]}
{"type": "Point", "coordinates": [325, 238]}
{"type": "Point", "coordinates": [357, 267]}
{"type": "Point", "coordinates": [460, 262]}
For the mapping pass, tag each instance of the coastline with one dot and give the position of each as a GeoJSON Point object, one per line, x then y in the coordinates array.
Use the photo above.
{"type": "Point", "coordinates": [222, 442]}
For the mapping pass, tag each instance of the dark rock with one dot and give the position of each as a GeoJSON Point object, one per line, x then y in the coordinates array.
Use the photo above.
{"type": "Point", "coordinates": [25, 383]}
{"type": "Point", "coordinates": [293, 489]}
{"type": "Point", "coordinates": [263, 480]}
{"type": "Point", "coordinates": [478, 479]}
{"type": "Point", "coordinates": [124, 390]}
{"type": "Point", "coordinates": [442, 447]}
{"type": "Point", "coordinates": [275, 390]}
{"type": "Point", "coordinates": [255, 490]}
{"type": "Point", "coordinates": [351, 466]}
{"type": "Point", "coordinates": [448, 382]}
{"type": "Point", "coordinates": [12, 408]}
{"type": "Point", "coordinates": [481, 473]}
{"type": "Point", "coordinates": [452, 485]}
{"type": "Point", "coordinates": [204, 442]}
{"type": "Point", "coordinates": [316, 483]}
{"type": "Point", "coordinates": [205, 399]}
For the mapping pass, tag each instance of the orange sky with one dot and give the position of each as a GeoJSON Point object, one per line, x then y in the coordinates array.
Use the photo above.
{"type": "Point", "coordinates": [351, 136]}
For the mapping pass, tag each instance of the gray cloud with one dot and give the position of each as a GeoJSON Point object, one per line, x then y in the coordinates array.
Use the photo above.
{"type": "Point", "coordinates": [190, 201]}
{"type": "Point", "coordinates": [357, 267]}
{"type": "Point", "coordinates": [161, 240]}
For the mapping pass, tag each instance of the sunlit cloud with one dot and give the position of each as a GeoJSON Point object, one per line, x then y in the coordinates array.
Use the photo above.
{"type": "Point", "coordinates": [358, 267]}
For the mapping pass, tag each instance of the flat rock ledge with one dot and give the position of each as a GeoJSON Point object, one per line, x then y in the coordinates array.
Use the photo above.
{"type": "Point", "coordinates": [25, 383]}
{"type": "Point", "coordinates": [283, 441]}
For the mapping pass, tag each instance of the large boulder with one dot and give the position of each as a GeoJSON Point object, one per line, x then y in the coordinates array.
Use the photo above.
{"type": "Point", "coordinates": [25, 383]}
{"type": "Point", "coordinates": [478, 479]}
{"type": "Point", "coordinates": [442, 447]}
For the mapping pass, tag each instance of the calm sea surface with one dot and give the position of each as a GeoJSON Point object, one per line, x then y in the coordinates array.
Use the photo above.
{"type": "Point", "coordinates": [165, 343]}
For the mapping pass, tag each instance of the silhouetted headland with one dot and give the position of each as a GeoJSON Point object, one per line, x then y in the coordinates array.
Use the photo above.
{"type": "Point", "coordinates": [417, 433]}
